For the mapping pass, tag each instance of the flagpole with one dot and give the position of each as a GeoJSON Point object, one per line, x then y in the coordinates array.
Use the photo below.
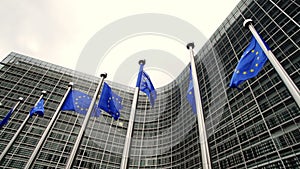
{"type": "Point", "coordinates": [7, 148]}
{"type": "Point", "coordinates": [293, 89]}
{"type": "Point", "coordinates": [46, 132]}
{"type": "Point", "coordinates": [19, 130]}
{"type": "Point", "coordinates": [84, 124]}
{"type": "Point", "coordinates": [131, 119]}
{"type": "Point", "coordinates": [201, 123]}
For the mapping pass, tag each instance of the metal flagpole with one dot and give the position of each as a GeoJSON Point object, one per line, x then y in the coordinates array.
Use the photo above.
{"type": "Point", "coordinates": [201, 124]}
{"type": "Point", "coordinates": [84, 124]}
{"type": "Point", "coordinates": [7, 147]}
{"type": "Point", "coordinates": [131, 119]}
{"type": "Point", "coordinates": [46, 132]}
{"type": "Point", "coordinates": [293, 89]}
{"type": "Point", "coordinates": [20, 129]}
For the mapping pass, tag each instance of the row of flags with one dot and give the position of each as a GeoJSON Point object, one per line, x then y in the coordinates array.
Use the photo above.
{"type": "Point", "coordinates": [79, 102]}
{"type": "Point", "coordinates": [38, 109]}
{"type": "Point", "coordinates": [251, 62]}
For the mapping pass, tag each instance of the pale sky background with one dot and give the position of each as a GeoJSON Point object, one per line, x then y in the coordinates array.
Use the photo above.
{"type": "Point", "coordinates": [56, 31]}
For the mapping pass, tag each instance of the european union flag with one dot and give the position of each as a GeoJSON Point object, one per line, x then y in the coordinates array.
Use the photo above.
{"type": "Point", "coordinates": [110, 102]}
{"type": "Point", "coordinates": [251, 62]}
{"type": "Point", "coordinates": [6, 118]}
{"type": "Point", "coordinates": [79, 102]}
{"type": "Point", "coordinates": [38, 109]}
{"type": "Point", "coordinates": [190, 94]}
{"type": "Point", "coordinates": [147, 87]}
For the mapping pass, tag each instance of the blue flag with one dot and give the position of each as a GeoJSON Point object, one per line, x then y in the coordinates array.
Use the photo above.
{"type": "Point", "coordinates": [6, 118]}
{"type": "Point", "coordinates": [147, 87]}
{"type": "Point", "coordinates": [79, 102]}
{"type": "Point", "coordinates": [38, 109]}
{"type": "Point", "coordinates": [251, 62]}
{"type": "Point", "coordinates": [110, 102]}
{"type": "Point", "coordinates": [190, 94]}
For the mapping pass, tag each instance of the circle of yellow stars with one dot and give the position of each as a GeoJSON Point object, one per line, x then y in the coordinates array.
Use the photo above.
{"type": "Point", "coordinates": [256, 64]}
{"type": "Point", "coordinates": [83, 103]}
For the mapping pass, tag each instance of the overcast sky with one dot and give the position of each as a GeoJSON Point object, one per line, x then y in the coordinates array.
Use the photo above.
{"type": "Point", "coordinates": [57, 31]}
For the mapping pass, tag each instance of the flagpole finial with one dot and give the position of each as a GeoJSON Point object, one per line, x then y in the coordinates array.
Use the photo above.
{"type": "Point", "coordinates": [21, 99]}
{"type": "Point", "coordinates": [104, 75]}
{"type": "Point", "coordinates": [142, 62]}
{"type": "Point", "coordinates": [70, 84]}
{"type": "Point", "coordinates": [190, 45]}
{"type": "Point", "coordinates": [247, 22]}
{"type": "Point", "coordinates": [44, 92]}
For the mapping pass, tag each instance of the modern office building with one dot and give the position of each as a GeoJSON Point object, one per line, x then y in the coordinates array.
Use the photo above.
{"type": "Point", "coordinates": [256, 127]}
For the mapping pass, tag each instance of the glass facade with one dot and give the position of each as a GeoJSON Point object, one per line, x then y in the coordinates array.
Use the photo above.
{"type": "Point", "coordinates": [257, 127]}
